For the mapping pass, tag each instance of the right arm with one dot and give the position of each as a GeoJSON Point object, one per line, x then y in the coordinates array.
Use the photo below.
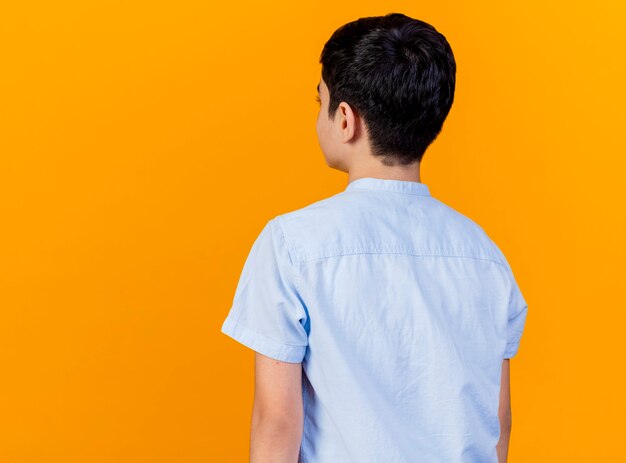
{"type": "Point", "coordinates": [504, 412]}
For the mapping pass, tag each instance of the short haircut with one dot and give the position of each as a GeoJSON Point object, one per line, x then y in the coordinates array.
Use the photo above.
{"type": "Point", "coordinates": [398, 74]}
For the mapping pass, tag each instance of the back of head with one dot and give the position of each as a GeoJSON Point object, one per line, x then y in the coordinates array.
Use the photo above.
{"type": "Point", "coordinates": [398, 74]}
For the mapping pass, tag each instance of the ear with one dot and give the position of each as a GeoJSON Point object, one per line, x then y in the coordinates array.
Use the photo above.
{"type": "Point", "coordinates": [348, 122]}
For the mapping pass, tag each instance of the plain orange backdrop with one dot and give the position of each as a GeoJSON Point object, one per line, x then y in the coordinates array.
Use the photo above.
{"type": "Point", "coordinates": [143, 145]}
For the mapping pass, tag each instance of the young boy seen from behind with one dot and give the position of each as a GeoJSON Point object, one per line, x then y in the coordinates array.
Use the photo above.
{"type": "Point", "coordinates": [382, 319]}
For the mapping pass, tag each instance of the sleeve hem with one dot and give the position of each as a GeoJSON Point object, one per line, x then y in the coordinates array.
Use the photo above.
{"type": "Point", "coordinates": [511, 349]}
{"type": "Point", "coordinates": [262, 344]}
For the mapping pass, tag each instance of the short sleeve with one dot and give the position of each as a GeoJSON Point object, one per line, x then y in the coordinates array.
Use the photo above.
{"type": "Point", "coordinates": [517, 311]}
{"type": "Point", "coordinates": [268, 314]}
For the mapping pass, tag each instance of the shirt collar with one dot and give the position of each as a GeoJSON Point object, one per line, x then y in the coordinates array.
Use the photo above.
{"type": "Point", "coordinates": [386, 184]}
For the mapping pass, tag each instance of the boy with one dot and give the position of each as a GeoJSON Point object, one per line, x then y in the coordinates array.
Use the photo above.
{"type": "Point", "coordinates": [382, 319]}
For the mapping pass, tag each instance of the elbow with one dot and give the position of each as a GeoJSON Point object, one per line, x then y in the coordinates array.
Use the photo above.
{"type": "Point", "coordinates": [506, 423]}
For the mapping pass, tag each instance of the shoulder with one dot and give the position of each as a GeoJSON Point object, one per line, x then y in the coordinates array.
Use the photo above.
{"type": "Point", "coordinates": [469, 235]}
{"type": "Point", "coordinates": [317, 225]}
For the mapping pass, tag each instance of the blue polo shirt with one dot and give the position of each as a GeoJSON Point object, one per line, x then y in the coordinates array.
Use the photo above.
{"type": "Point", "coordinates": [400, 309]}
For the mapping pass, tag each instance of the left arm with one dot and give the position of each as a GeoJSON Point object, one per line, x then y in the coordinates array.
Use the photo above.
{"type": "Point", "coordinates": [277, 412]}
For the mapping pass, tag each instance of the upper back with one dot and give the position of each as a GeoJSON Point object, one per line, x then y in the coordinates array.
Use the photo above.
{"type": "Point", "coordinates": [400, 309]}
{"type": "Point", "coordinates": [384, 215]}
{"type": "Point", "coordinates": [407, 321]}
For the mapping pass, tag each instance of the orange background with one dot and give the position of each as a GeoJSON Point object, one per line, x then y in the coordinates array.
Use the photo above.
{"type": "Point", "coordinates": [145, 144]}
